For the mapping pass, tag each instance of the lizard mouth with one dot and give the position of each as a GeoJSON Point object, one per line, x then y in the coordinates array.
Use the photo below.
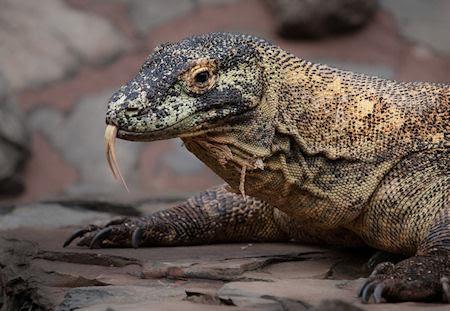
{"type": "Point", "coordinates": [144, 136]}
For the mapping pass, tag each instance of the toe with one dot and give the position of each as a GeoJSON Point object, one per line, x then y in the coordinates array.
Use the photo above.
{"type": "Point", "coordinates": [137, 237]}
{"type": "Point", "coordinates": [78, 234]}
{"type": "Point", "coordinates": [368, 291]}
{"type": "Point", "coordinates": [378, 293]}
{"type": "Point", "coordinates": [363, 286]}
{"type": "Point", "coordinates": [100, 236]}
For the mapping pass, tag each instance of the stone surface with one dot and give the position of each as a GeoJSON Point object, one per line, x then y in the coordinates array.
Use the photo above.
{"type": "Point", "coordinates": [160, 306]}
{"type": "Point", "coordinates": [117, 295]}
{"type": "Point", "coordinates": [240, 266]}
{"type": "Point", "coordinates": [45, 40]}
{"type": "Point", "coordinates": [320, 18]}
{"type": "Point", "coordinates": [94, 278]}
{"type": "Point", "coordinates": [14, 143]}
{"type": "Point", "coordinates": [423, 21]}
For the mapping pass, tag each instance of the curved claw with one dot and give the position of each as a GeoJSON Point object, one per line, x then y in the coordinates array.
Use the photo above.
{"type": "Point", "coordinates": [361, 289]}
{"type": "Point", "coordinates": [378, 293]}
{"type": "Point", "coordinates": [100, 237]}
{"type": "Point", "coordinates": [76, 234]}
{"type": "Point", "coordinates": [368, 290]}
{"type": "Point", "coordinates": [137, 237]}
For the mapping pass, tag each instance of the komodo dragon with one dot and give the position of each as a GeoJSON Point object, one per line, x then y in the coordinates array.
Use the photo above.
{"type": "Point", "coordinates": [310, 153]}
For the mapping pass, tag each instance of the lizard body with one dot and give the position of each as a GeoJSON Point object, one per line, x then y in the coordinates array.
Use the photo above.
{"type": "Point", "coordinates": [309, 152]}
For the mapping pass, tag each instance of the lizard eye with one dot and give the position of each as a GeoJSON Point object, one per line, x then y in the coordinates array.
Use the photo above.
{"type": "Point", "coordinates": [202, 77]}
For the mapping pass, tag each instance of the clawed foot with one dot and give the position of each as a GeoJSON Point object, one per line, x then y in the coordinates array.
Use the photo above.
{"type": "Point", "coordinates": [124, 232]}
{"type": "Point", "coordinates": [419, 278]}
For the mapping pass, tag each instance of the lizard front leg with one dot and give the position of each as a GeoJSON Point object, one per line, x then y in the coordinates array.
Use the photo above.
{"type": "Point", "coordinates": [413, 215]}
{"type": "Point", "coordinates": [213, 216]}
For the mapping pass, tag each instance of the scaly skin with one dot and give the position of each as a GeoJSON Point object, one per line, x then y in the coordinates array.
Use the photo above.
{"type": "Point", "coordinates": [309, 152]}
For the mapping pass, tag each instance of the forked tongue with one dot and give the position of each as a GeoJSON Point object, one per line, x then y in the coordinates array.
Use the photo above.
{"type": "Point", "coordinates": [110, 152]}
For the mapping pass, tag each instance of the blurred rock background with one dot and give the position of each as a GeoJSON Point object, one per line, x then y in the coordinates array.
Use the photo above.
{"type": "Point", "coordinates": [60, 60]}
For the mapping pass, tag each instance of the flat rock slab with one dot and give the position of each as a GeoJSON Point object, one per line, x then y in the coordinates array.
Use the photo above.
{"type": "Point", "coordinates": [36, 272]}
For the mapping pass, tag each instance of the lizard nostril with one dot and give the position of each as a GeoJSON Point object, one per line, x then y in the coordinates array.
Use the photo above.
{"type": "Point", "coordinates": [132, 111]}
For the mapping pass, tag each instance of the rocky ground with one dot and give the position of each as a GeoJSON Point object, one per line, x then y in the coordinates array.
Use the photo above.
{"type": "Point", "coordinates": [38, 274]}
{"type": "Point", "coordinates": [60, 60]}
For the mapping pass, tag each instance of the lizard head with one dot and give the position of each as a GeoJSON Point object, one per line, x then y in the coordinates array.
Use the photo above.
{"type": "Point", "coordinates": [188, 88]}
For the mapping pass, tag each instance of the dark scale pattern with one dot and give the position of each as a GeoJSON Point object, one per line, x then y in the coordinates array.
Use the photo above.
{"type": "Point", "coordinates": [310, 153]}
